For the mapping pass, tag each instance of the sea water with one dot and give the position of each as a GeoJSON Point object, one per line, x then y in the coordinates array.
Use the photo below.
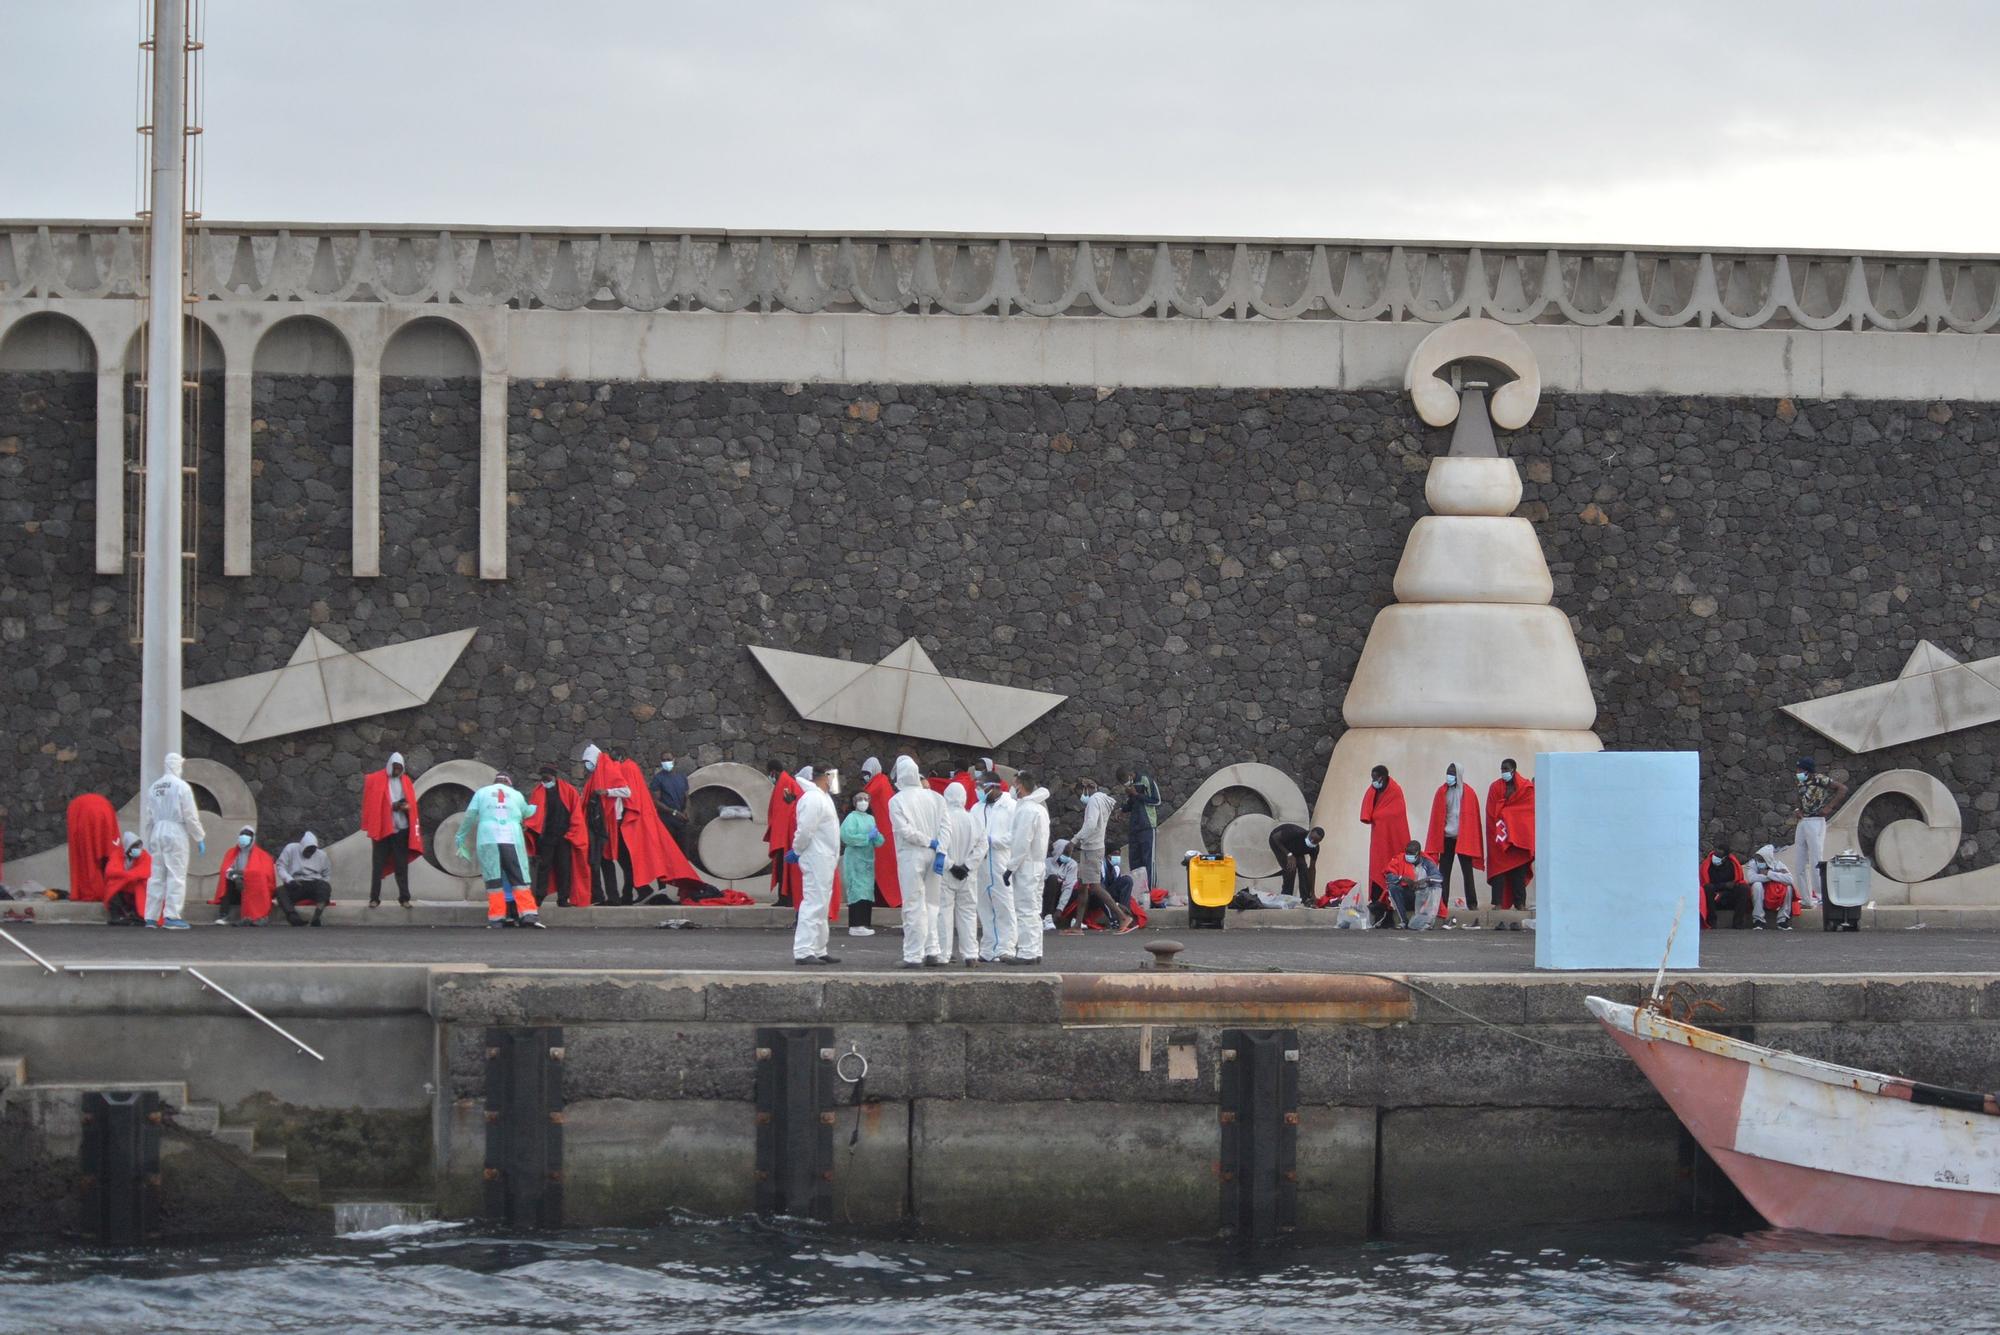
{"type": "Point", "coordinates": [742, 1275]}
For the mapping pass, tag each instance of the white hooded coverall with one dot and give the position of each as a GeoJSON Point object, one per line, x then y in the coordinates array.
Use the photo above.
{"type": "Point", "coordinates": [816, 839]}
{"type": "Point", "coordinates": [916, 814]}
{"type": "Point", "coordinates": [1026, 856]}
{"type": "Point", "coordinates": [996, 896]}
{"type": "Point", "coordinates": [964, 847]}
{"type": "Point", "coordinates": [169, 826]}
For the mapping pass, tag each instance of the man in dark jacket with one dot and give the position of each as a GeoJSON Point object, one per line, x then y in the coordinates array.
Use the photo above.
{"type": "Point", "coordinates": [670, 796]}
{"type": "Point", "coordinates": [1297, 850]}
{"type": "Point", "coordinates": [1141, 805]}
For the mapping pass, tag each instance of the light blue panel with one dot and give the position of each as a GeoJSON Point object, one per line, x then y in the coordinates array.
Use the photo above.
{"type": "Point", "coordinates": [1617, 842]}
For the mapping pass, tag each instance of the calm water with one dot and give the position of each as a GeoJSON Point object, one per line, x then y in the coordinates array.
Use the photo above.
{"type": "Point", "coordinates": [701, 1275]}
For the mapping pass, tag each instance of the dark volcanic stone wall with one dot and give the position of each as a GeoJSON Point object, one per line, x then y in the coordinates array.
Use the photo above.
{"type": "Point", "coordinates": [1197, 570]}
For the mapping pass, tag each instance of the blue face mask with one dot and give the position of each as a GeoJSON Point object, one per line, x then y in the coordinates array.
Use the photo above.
{"type": "Point", "coordinates": [243, 841]}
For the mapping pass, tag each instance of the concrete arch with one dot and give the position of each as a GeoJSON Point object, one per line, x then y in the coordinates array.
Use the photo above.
{"type": "Point", "coordinates": [282, 354]}
{"type": "Point", "coordinates": [47, 341]}
{"type": "Point", "coordinates": [303, 345]}
{"type": "Point", "coordinates": [432, 346]}
{"type": "Point", "coordinates": [203, 349]}
{"type": "Point", "coordinates": [440, 345]}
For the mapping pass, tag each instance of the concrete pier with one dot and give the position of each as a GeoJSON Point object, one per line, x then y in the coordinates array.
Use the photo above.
{"type": "Point", "coordinates": [997, 1103]}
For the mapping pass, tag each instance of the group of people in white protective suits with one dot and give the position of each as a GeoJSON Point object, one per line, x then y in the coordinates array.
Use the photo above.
{"type": "Point", "coordinates": [971, 879]}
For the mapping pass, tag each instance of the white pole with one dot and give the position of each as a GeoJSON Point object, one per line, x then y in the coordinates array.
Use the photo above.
{"type": "Point", "coordinates": [160, 623]}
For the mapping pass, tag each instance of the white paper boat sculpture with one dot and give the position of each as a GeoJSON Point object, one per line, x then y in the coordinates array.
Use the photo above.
{"type": "Point", "coordinates": [325, 684]}
{"type": "Point", "coordinates": [904, 695]}
{"type": "Point", "coordinates": [1933, 694]}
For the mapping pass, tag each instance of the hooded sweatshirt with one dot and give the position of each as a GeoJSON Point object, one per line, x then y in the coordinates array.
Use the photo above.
{"type": "Point", "coordinates": [1089, 841]}
{"type": "Point", "coordinates": [295, 864]}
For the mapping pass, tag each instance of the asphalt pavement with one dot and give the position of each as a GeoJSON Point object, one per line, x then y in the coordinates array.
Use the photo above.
{"type": "Point", "coordinates": [712, 948]}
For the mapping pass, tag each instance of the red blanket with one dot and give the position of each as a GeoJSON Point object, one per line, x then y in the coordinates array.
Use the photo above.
{"type": "Point", "coordinates": [260, 881]}
{"type": "Point", "coordinates": [1388, 820]}
{"type": "Point", "coordinates": [378, 819]}
{"type": "Point", "coordinates": [93, 846]}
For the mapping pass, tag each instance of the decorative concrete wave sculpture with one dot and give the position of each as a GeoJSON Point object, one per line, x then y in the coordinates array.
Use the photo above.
{"type": "Point", "coordinates": [904, 695]}
{"type": "Point", "coordinates": [324, 684]}
{"type": "Point", "coordinates": [1933, 694]}
{"type": "Point", "coordinates": [1471, 664]}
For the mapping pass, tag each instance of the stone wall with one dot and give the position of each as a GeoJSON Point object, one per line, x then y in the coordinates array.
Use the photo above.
{"type": "Point", "coordinates": [1196, 570]}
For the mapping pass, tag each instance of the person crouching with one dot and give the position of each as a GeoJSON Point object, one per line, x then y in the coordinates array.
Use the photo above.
{"type": "Point", "coordinates": [305, 876]}
{"type": "Point", "coordinates": [494, 817]}
{"type": "Point", "coordinates": [125, 884]}
{"type": "Point", "coordinates": [246, 882]}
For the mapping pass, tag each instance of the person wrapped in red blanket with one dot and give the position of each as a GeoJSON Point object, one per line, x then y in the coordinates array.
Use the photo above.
{"type": "Point", "coordinates": [93, 846]}
{"type": "Point", "coordinates": [559, 843]}
{"type": "Point", "coordinates": [248, 879]}
{"type": "Point", "coordinates": [1387, 817]}
{"type": "Point", "coordinates": [125, 884]}
{"type": "Point", "coordinates": [1510, 837]}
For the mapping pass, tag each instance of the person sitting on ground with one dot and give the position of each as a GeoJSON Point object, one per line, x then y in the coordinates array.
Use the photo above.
{"type": "Point", "coordinates": [1413, 891]}
{"type": "Point", "coordinates": [1058, 883]}
{"type": "Point", "coordinates": [246, 882]}
{"type": "Point", "coordinates": [1297, 850]}
{"type": "Point", "coordinates": [1723, 888]}
{"type": "Point", "coordinates": [1771, 889]}
{"type": "Point", "coordinates": [125, 884]}
{"type": "Point", "coordinates": [305, 876]}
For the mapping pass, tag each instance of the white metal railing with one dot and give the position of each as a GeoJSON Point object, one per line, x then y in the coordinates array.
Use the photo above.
{"type": "Point", "coordinates": [201, 979]}
{"type": "Point", "coordinates": [941, 273]}
{"type": "Point", "coordinates": [251, 1011]}
{"type": "Point", "coordinates": [15, 942]}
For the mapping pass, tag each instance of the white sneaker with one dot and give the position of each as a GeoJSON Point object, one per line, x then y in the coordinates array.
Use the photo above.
{"type": "Point", "coordinates": [861, 931]}
{"type": "Point", "coordinates": [1048, 924]}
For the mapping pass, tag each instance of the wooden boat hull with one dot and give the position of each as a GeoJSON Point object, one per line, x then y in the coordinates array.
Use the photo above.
{"type": "Point", "coordinates": [1825, 1148]}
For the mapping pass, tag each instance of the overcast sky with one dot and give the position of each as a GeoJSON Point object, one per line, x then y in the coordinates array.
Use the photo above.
{"type": "Point", "coordinates": [1752, 122]}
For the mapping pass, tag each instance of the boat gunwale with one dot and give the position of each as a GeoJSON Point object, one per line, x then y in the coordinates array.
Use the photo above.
{"type": "Point", "coordinates": [1650, 1025]}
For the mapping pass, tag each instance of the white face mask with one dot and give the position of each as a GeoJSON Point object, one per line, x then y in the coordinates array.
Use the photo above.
{"type": "Point", "coordinates": [667, 765]}
{"type": "Point", "coordinates": [1715, 860]}
{"type": "Point", "coordinates": [1378, 784]}
{"type": "Point", "coordinates": [1451, 781]}
{"type": "Point", "coordinates": [243, 841]}
{"type": "Point", "coordinates": [589, 766]}
{"type": "Point", "coordinates": [1803, 776]}
{"type": "Point", "coordinates": [861, 806]}
{"type": "Point", "coordinates": [548, 783]}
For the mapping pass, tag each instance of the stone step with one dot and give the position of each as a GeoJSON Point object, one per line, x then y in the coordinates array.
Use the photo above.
{"type": "Point", "coordinates": [13, 1073]}
{"type": "Point", "coordinates": [204, 1119]}
{"type": "Point", "coordinates": [237, 1136]}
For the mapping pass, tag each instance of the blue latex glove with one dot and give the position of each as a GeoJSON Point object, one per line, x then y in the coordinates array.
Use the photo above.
{"type": "Point", "coordinates": [934, 845]}
{"type": "Point", "coordinates": [792, 858]}
{"type": "Point", "coordinates": [201, 845]}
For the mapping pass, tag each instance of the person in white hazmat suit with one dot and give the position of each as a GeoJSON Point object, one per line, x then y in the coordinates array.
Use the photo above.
{"type": "Point", "coordinates": [964, 850]}
{"type": "Point", "coordinates": [916, 815]}
{"type": "Point", "coordinates": [493, 817]}
{"type": "Point", "coordinates": [816, 851]}
{"type": "Point", "coordinates": [995, 814]}
{"type": "Point", "coordinates": [169, 824]}
{"type": "Point", "coordinates": [1027, 853]}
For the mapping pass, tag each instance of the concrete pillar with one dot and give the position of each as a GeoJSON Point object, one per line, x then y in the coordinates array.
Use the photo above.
{"type": "Point", "coordinates": [493, 475]}
{"type": "Point", "coordinates": [237, 391]}
{"type": "Point", "coordinates": [111, 467]}
{"type": "Point", "coordinates": [367, 469]}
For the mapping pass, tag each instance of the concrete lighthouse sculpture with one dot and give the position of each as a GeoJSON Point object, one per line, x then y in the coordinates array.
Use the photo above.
{"type": "Point", "coordinates": [1471, 665]}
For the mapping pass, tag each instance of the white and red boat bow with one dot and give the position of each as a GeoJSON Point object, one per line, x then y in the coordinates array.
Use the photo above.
{"type": "Point", "coordinates": [1821, 1147]}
